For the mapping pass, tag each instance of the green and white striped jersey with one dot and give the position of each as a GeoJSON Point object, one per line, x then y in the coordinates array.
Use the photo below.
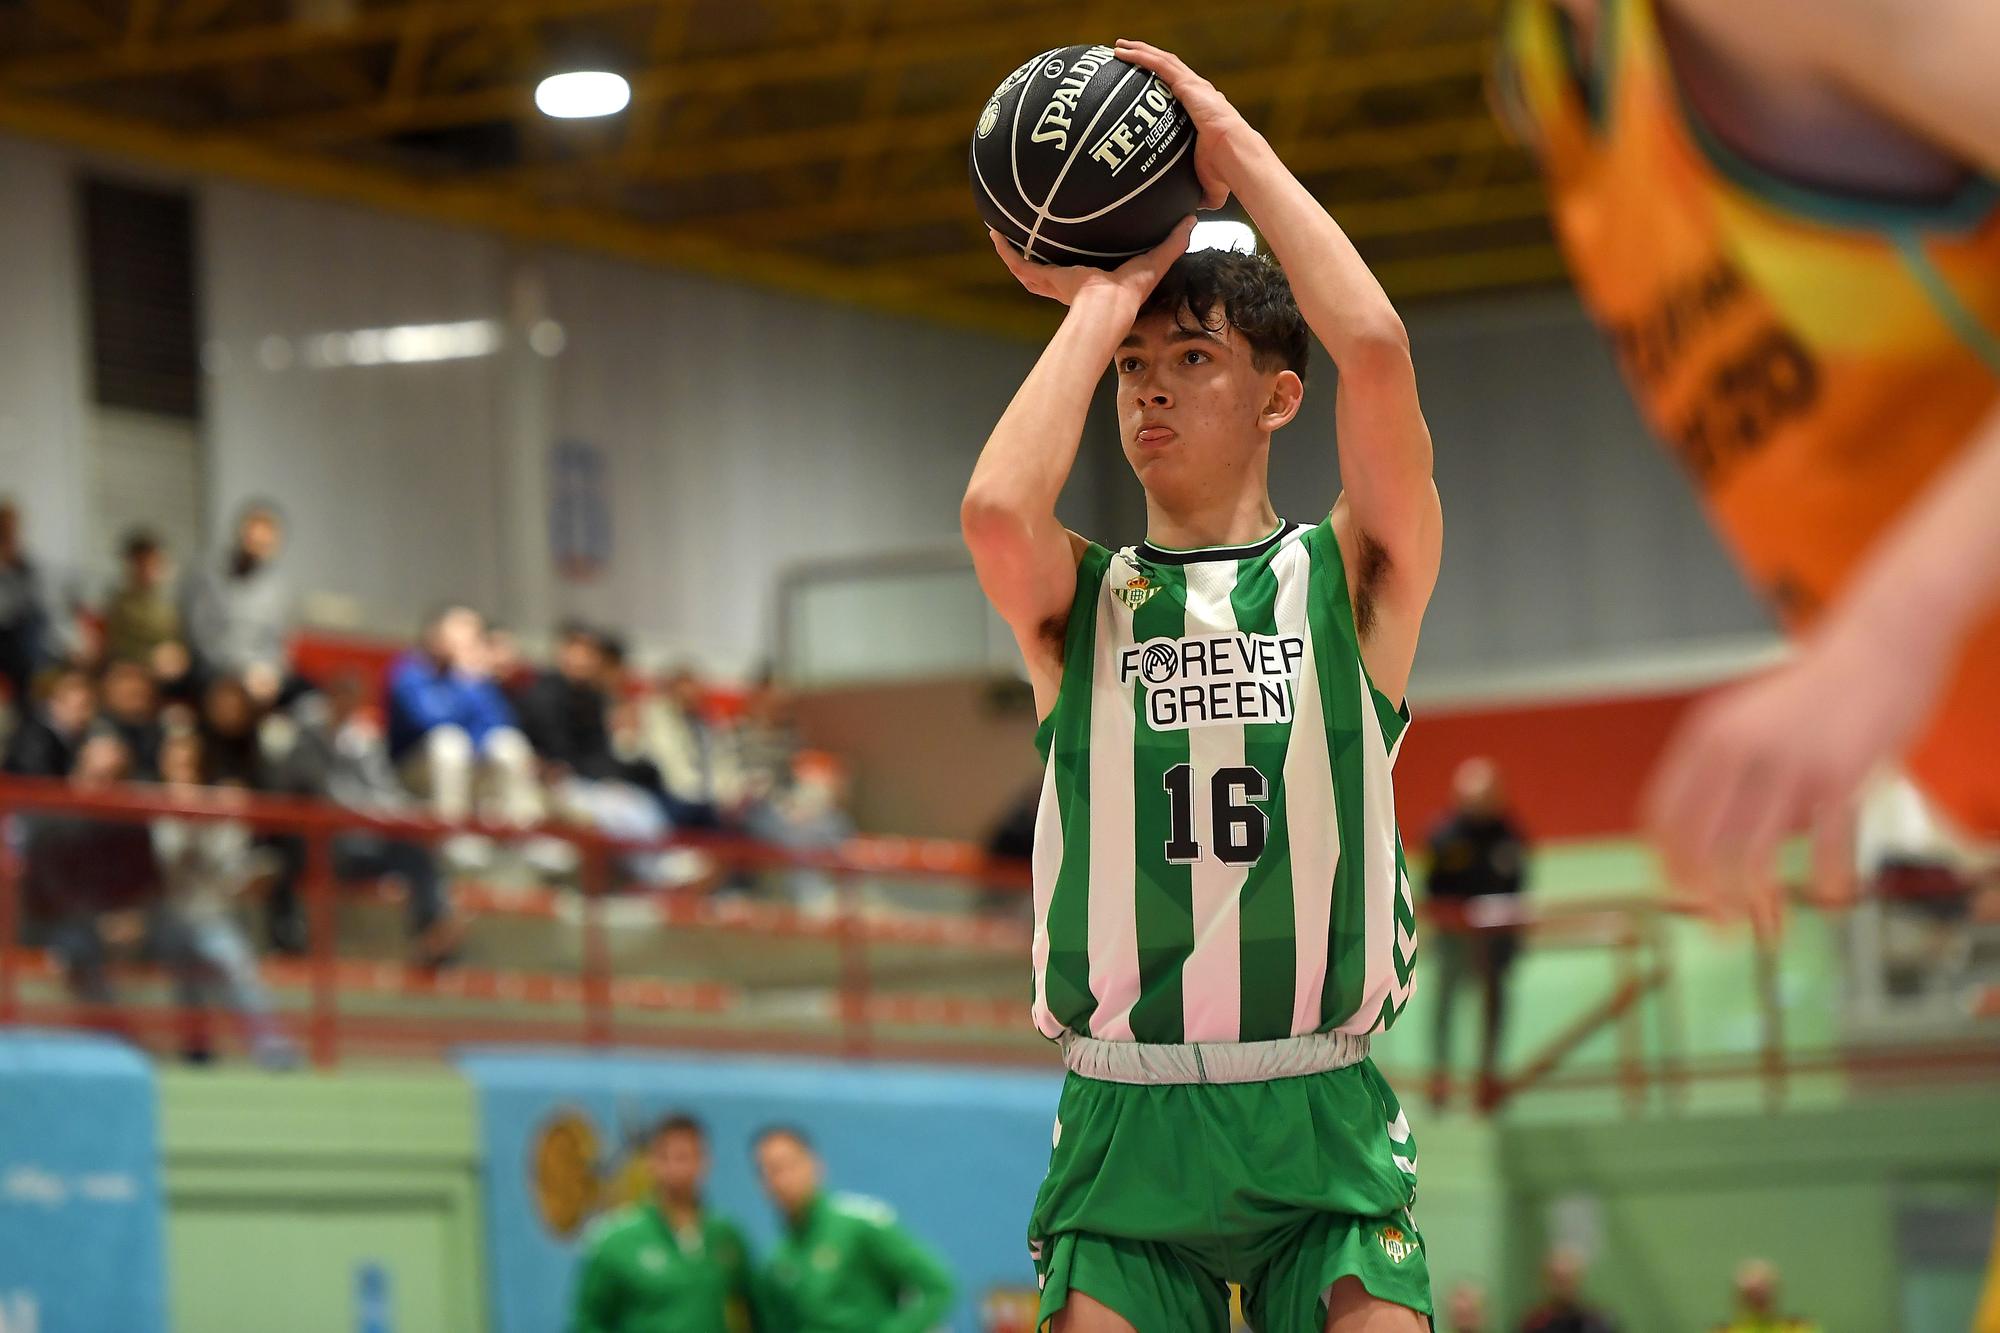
{"type": "Point", "coordinates": [1216, 855]}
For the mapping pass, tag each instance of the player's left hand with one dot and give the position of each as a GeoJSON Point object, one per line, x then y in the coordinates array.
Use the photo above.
{"type": "Point", "coordinates": [1787, 751]}
{"type": "Point", "coordinates": [1219, 127]}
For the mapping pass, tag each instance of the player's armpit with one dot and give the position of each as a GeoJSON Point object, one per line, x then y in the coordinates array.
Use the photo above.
{"type": "Point", "coordinates": [1385, 468]}
{"type": "Point", "coordinates": [1387, 598]}
{"type": "Point", "coordinates": [1027, 570]}
{"type": "Point", "coordinates": [1031, 582]}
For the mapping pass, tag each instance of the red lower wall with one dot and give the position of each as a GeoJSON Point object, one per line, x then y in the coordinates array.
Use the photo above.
{"type": "Point", "coordinates": [1572, 768]}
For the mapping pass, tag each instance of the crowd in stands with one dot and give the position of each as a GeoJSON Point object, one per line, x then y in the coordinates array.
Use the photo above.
{"type": "Point", "coordinates": [1563, 1308]}
{"type": "Point", "coordinates": [187, 683]}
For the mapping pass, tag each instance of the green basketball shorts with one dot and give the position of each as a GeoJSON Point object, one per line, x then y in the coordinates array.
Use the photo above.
{"type": "Point", "coordinates": [1161, 1193]}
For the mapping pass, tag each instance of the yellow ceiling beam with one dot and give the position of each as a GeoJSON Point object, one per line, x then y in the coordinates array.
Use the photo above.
{"type": "Point", "coordinates": [139, 22]}
{"type": "Point", "coordinates": [705, 76]}
{"type": "Point", "coordinates": [79, 20]}
{"type": "Point", "coordinates": [192, 14]}
{"type": "Point", "coordinates": [1369, 148]}
{"type": "Point", "coordinates": [1439, 211]}
{"type": "Point", "coordinates": [712, 76]}
{"type": "Point", "coordinates": [1456, 274]}
{"type": "Point", "coordinates": [507, 214]}
{"type": "Point", "coordinates": [413, 47]}
{"type": "Point", "coordinates": [271, 41]}
{"type": "Point", "coordinates": [744, 154]}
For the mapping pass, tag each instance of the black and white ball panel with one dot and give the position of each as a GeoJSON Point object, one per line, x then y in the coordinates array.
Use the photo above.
{"type": "Point", "coordinates": [1080, 158]}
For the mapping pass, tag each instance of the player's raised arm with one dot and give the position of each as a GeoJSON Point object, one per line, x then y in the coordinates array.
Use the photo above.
{"type": "Point", "coordinates": [1385, 447]}
{"type": "Point", "coordinates": [1026, 560]}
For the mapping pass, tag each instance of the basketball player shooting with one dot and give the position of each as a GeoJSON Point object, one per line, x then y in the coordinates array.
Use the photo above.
{"type": "Point", "coordinates": [1786, 215]}
{"type": "Point", "coordinates": [1222, 915]}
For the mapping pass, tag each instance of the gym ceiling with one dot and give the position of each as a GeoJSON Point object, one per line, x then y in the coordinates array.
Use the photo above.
{"type": "Point", "coordinates": [819, 147]}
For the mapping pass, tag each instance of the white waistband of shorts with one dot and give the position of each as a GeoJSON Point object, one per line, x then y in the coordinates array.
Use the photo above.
{"type": "Point", "coordinates": [1211, 1062]}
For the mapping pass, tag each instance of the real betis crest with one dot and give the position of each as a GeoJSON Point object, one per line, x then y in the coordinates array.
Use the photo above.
{"type": "Point", "coordinates": [1135, 592]}
{"type": "Point", "coordinates": [1396, 1246]}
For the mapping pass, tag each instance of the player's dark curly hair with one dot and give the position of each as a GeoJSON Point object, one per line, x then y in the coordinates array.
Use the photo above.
{"type": "Point", "coordinates": [1249, 293]}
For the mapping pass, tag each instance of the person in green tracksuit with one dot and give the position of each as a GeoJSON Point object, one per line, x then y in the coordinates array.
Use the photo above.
{"type": "Point", "coordinates": [666, 1264]}
{"type": "Point", "coordinates": [843, 1264]}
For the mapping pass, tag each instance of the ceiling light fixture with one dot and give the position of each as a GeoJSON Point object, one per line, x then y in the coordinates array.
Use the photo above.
{"type": "Point", "coordinates": [1223, 235]}
{"type": "Point", "coordinates": [583, 93]}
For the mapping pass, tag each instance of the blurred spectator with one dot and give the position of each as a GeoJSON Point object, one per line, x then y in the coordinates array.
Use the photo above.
{"type": "Point", "coordinates": [132, 709]}
{"type": "Point", "coordinates": [238, 614]}
{"type": "Point", "coordinates": [1478, 857]}
{"type": "Point", "coordinates": [622, 692]}
{"type": "Point", "coordinates": [231, 750]}
{"type": "Point", "coordinates": [451, 730]}
{"type": "Point", "coordinates": [340, 755]}
{"type": "Point", "coordinates": [808, 813]}
{"type": "Point", "coordinates": [1562, 1309]}
{"type": "Point", "coordinates": [86, 880]}
{"type": "Point", "coordinates": [1465, 1309]}
{"type": "Point", "coordinates": [1011, 843]}
{"type": "Point", "coordinates": [204, 865]}
{"type": "Point", "coordinates": [695, 759]}
{"type": "Point", "coordinates": [141, 619]}
{"type": "Point", "coordinates": [791, 797]}
{"type": "Point", "coordinates": [666, 1262]}
{"type": "Point", "coordinates": [230, 727]}
{"type": "Point", "coordinates": [843, 1263]}
{"type": "Point", "coordinates": [1757, 1303]}
{"type": "Point", "coordinates": [565, 712]}
{"type": "Point", "coordinates": [46, 742]}
{"type": "Point", "coordinates": [504, 660]}
{"type": "Point", "coordinates": [766, 738]}
{"type": "Point", "coordinates": [24, 615]}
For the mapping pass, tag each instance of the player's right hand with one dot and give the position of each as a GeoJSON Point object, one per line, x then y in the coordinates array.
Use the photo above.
{"type": "Point", "coordinates": [1132, 281]}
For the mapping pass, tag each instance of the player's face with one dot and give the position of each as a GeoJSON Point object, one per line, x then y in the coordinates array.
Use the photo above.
{"type": "Point", "coordinates": [679, 1163]}
{"type": "Point", "coordinates": [261, 537]}
{"type": "Point", "coordinates": [1192, 406]}
{"type": "Point", "coordinates": [790, 1171]}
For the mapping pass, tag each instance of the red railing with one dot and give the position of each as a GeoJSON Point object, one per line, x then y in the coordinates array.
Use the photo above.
{"type": "Point", "coordinates": [594, 989]}
{"type": "Point", "coordinates": [611, 1008]}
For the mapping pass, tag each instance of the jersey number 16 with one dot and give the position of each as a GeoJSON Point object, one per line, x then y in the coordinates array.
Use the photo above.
{"type": "Point", "coordinates": [1236, 816]}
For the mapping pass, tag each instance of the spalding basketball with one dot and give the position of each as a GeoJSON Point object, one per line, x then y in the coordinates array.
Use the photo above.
{"type": "Point", "coordinates": [1080, 158]}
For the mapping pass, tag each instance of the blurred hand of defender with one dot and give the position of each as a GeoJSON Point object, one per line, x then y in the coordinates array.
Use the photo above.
{"type": "Point", "coordinates": [1761, 760]}
{"type": "Point", "coordinates": [1220, 130]}
{"type": "Point", "coordinates": [1132, 281]}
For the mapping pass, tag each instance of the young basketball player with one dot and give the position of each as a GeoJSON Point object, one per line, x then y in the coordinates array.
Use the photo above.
{"type": "Point", "coordinates": [1786, 217]}
{"type": "Point", "coordinates": [1222, 916]}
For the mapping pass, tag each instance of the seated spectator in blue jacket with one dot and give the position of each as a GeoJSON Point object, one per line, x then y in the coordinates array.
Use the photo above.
{"type": "Point", "coordinates": [451, 730]}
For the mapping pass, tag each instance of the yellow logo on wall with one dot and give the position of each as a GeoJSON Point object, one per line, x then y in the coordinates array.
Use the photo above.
{"type": "Point", "coordinates": [573, 1181]}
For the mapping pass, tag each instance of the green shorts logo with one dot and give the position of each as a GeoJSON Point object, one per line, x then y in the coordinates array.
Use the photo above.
{"type": "Point", "coordinates": [1395, 1246]}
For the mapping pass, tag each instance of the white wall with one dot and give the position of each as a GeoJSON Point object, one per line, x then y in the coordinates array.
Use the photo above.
{"type": "Point", "coordinates": [747, 431]}
{"type": "Point", "coordinates": [388, 473]}
{"type": "Point", "coordinates": [42, 354]}
{"type": "Point", "coordinates": [1569, 532]}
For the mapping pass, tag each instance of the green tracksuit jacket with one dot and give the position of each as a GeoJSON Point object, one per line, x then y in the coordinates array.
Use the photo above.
{"type": "Point", "coordinates": [640, 1276]}
{"type": "Point", "coordinates": [845, 1267]}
